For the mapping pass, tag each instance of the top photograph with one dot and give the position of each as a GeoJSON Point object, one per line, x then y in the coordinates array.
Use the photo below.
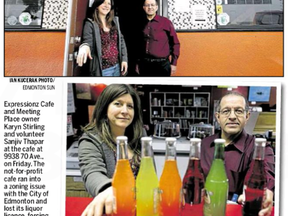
{"type": "Point", "coordinates": [144, 38]}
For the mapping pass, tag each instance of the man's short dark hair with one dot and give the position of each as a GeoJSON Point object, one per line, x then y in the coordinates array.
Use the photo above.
{"type": "Point", "coordinates": [155, 2]}
{"type": "Point", "coordinates": [236, 94]}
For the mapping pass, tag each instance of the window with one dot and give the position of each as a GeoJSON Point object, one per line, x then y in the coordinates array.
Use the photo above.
{"type": "Point", "coordinates": [248, 2]}
{"type": "Point", "coordinates": [250, 14]}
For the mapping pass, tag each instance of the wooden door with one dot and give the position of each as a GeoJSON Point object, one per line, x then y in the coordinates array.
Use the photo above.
{"type": "Point", "coordinates": [77, 14]}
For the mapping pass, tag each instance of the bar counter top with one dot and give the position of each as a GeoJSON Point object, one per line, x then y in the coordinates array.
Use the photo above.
{"type": "Point", "coordinates": [76, 205]}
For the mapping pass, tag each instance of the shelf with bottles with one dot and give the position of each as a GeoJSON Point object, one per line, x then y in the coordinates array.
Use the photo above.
{"type": "Point", "coordinates": [201, 100]}
{"type": "Point", "coordinates": [168, 112]}
{"type": "Point", "coordinates": [202, 113]}
{"type": "Point", "coordinates": [186, 99]}
{"type": "Point", "coordinates": [156, 111]}
{"type": "Point", "coordinates": [156, 99]}
{"type": "Point", "coordinates": [190, 112]}
{"type": "Point", "coordinates": [171, 99]}
{"type": "Point", "coordinates": [184, 107]}
{"type": "Point", "coordinates": [179, 112]}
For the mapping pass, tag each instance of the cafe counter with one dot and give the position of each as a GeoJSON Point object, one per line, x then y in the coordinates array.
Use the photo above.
{"type": "Point", "coordinates": [183, 148]}
{"type": "Point", "coordinates": [74, 183]}
{"type": "Point", "coordinates": [76, 205]}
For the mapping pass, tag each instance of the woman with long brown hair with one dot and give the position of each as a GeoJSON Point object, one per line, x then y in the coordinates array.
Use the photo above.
{"type": "Point", "coordinates": [117, 113]}
{"type": "Point", "coordinates": [103, 44]}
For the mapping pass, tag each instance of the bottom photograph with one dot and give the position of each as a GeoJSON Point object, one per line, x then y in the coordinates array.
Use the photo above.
{"type": "Point", "coordinates": [167, 150]}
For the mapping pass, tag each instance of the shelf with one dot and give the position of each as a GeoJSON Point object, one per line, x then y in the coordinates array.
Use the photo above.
{"type": "Point", "coordinates": [188, 106]}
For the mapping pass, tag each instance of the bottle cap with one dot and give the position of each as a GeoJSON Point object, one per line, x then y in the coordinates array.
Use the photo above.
{"type": "Point", "coordinates": [219, 141]}
{"type": "Point", "coordinates": [122, 138]}
{"type": "Point", "coordinates": [170, 139]}
{"type": "Point", "coordinates": [260, 141]}
{"type": "Point", "coordinates": [146, 139]}
{"type": "Point", "coordinates": [195, 140]}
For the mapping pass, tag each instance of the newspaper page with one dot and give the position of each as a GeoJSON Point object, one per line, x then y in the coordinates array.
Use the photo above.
{"type": "Point", "coordinates": [44, 108]}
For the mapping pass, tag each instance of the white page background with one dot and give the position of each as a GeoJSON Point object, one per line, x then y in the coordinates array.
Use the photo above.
{"type": "Point", "coordinates": [55, 144]}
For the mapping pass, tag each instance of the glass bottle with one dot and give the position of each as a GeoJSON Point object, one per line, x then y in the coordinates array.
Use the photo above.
{"type": "Point", "coordinates": [170, 182]}
{"type": "Point", "coordinates": [123, 182]}
{"type": "Point", "coordinates": [255, 181]}
{"type": "Point", "coordinates": [193, 181]}
{"type": "Point", "coordinates": [216, 184]}
{"type": "Point", "coordinates": [147, 184]}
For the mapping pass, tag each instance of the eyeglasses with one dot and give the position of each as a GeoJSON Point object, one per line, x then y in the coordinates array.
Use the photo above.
{"type": "Point", "coordinates": [149, 5]}
{"type": "Point", "coordinates": [237, 112]}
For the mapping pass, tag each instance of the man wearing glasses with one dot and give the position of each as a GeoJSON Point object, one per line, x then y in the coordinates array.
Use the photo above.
{"type": "Point", "coordinates": [159, 47]}
{"type": "Point", "coordinates": [232, 115]}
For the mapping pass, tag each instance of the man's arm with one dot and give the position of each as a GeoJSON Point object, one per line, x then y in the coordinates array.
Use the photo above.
{"type": "Point", "coordinates": [174, 44]}
{"type": "Point", "coordinates": [269, 164]}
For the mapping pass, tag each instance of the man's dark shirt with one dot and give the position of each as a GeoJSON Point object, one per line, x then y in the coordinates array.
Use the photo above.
{"type": "Point", "coordinates": [159, 39]}
{"type": "Point", "coordinates": [238, 158]}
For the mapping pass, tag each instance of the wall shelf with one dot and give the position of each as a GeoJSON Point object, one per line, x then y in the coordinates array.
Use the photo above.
{"type": "Point", "coordinates": [184, 108]}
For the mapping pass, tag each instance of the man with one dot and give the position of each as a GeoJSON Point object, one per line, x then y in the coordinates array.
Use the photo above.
{"type": "Point", "coordinates": [232, 115]}
{"type": "Point", "coordinates": [159, 46]}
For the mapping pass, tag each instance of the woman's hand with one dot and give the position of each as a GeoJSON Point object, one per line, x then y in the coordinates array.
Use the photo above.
{"type": "Point", "coordinates": [83, 53]}
{"type": "Point", "coordinates": [267, 203]}
{"type": "Point", "coordinates": [124, 67]}
{"type": "Point", "coordinates": [103, 199]}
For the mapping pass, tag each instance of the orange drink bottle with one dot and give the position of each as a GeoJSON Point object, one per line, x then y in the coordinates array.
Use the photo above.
{"type": "Point", "coordinates": [123, 182]}
{"type": "Point", "coordinates": [170, 182]}
{"type": "Point", "coordinates": [147, 184]}
{"type": "Point", "coordinates": [193, 181]}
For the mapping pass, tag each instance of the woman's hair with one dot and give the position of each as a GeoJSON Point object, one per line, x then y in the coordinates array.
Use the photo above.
{"type": "Point", "coordinates": [95, 15]}
{"type": "Point", "coordinates": [100, 124]}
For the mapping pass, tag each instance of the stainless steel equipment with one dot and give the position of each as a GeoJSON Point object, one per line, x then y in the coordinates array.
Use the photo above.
{"type": "Point", "coordinates": [166, 129]}
{"type": "Point", "coordinates": [200, 131]}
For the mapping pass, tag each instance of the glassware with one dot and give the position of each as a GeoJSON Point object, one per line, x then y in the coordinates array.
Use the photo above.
{"type": "Point", "coordinates": [255, 181]}
{"type": "Point", "coordinates": [123, 182]}
{"type": "Point", "coordinates": [170, 182]}
{"type": "Point", "coordinates": [147, 184]}
{"type": "Point", "coordinates": [193, 181]}
{"type": "Point", "coordinates": [216, 184]}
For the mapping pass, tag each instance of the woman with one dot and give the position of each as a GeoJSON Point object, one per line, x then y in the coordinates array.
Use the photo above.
{"type": "Point", "coordinates": [117, 113]}
{"type": "Point", "coordinates": [103, 43]}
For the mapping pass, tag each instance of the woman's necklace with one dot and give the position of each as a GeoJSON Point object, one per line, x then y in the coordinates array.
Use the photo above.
{"type": "Point", "coordinates": [105, 28]}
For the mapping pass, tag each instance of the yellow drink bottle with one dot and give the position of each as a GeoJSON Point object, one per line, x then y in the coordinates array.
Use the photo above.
{"type": "Point", "coordinates": [147, 185]}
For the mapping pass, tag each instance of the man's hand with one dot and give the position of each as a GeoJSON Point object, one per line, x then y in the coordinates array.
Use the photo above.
{"type": "Point", "coordinates": [267, 203]}
{"type": "Point", "coordinates": [173, 69]}
{"type": "Point", "coordinates": [83, 53]}
{"type": "Point", "coordinates": [103, 199]}
{"type": "Point", "coordinates": [137, 68]}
